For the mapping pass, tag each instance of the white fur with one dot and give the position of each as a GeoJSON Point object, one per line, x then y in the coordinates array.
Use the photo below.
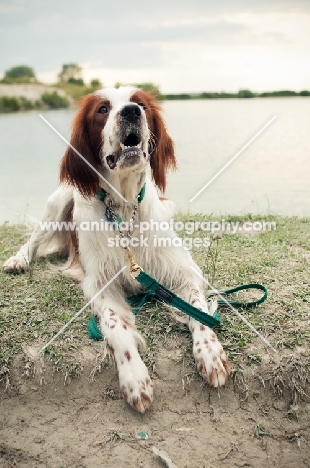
{"type": "Point", "coordinates": [99, 263]}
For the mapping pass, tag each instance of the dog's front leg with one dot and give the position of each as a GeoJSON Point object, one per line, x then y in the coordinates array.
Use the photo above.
{"type": "Point", "coordinates": [122, 338]}
{"type": "Point", "coordinates": [210, 358]}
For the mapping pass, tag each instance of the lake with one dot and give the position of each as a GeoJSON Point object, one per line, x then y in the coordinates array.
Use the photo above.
{"type": "Point", "coordinates": [271, 175]}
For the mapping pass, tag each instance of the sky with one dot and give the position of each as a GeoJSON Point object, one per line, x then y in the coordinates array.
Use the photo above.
{"type": "Point", "coordinates": [181, 46]}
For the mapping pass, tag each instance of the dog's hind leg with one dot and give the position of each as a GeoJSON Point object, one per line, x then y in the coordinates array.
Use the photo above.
{"type": "Point", "coordinates": [49, 235]}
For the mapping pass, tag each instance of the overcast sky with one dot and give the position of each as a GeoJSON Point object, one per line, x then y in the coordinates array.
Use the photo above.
{"type": "Point", "coordinates": [183, 46]}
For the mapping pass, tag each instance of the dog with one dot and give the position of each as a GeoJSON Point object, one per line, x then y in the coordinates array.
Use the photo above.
{"type": "Point", "coordinates": [118, 136]}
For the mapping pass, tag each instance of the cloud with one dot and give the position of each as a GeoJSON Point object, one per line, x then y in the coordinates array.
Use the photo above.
{"type": "Point", "coordinates": [190, 41]}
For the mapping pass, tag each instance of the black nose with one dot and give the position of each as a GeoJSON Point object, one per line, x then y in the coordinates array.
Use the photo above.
{"type": "Point", "coordinates": [131, 113]}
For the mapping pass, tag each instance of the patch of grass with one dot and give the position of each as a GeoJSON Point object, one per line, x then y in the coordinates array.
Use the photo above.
{"type": "Point", "coordinates": [260, 431]}
{"type": "Point", "coordinates": [34, 306]}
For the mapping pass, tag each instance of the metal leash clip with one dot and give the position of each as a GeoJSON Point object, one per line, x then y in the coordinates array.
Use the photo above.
{"type": "Point", "coordinates": [134, 267]}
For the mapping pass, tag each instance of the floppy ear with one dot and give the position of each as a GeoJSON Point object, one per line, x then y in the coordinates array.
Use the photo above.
{"type": "Point", "coordinates": [73, 169]}
{"type": "Point", "coordinates": [163, 157]}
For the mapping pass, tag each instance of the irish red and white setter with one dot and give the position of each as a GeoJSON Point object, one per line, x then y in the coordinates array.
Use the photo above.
{"type": "Point", "coordinates": [117, 134]}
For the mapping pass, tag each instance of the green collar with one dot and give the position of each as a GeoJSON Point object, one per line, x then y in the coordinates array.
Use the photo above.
{"type": "Point", "coordinates": [101, 194]}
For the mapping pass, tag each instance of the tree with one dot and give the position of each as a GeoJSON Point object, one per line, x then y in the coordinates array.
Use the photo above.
{"type": "Point", "coordinates": [54, 100]}
{"type": "Point", "coordinates": [96, 84]}
{"type": "Point", "coordinates": [70, 73]}
{"type": "Point", "coordinates": [153, 88]}
{"type": "Point", "coordinates": [245, 93]}
{"type": "Point", "coordinates": [20, 73]}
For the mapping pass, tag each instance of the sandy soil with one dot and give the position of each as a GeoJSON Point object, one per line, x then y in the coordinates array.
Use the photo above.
{"type": "Point", "coordinates": [87, 424]}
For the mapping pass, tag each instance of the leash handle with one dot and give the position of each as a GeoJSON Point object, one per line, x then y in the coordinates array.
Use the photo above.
{"type": "Point", "coordinates": [243, 287]}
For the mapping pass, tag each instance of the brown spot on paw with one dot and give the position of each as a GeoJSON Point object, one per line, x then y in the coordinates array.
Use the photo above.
{"type": "Point", "coordinates": [199, 350]}
{"type": "Point", "coordinates": [212, 377]}
{"type": "Point", "coordinates": [226, 365]}
{"type": "Point", "coordinates": [197, 343]}
{"type": "Point", "coordinates": [141, 404]}
{"type": "Point", "coordinates": [136, 404]}
{"type": "Point", "coordinates": [202, 327]}
{"type": "Point", "coordinates": [201, 366]}
{"type": "Point", "coordinates": [124, 326]}
{"type": "Point", "coordinates": [146, 397]}
{"type": "Point", "coordinates": [127, 355]}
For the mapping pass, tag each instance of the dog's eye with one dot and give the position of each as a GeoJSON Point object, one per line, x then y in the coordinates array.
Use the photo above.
{"type": "Point", "coordinates": [142, 105]}
{"type": "Point", "coordinates": [103, 110]}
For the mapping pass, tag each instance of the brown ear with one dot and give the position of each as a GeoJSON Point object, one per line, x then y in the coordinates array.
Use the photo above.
{"type": "Point", "coordinates": [73, 169]}
{"type": "Point", "coordinates": [163, 157]}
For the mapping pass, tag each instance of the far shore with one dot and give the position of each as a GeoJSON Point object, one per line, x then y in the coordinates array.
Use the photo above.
{"type": "Point", "coordinates": [28, 96]}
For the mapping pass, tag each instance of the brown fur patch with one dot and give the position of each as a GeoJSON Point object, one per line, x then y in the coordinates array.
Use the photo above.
{"type": "Point", "coordinates": [127, 355]}
{"type": "Point", "coordinates": [136, 404]}
{"type": "Point", "coordinates": [212, 377]}
{"type": "Point", "coordinates": [226, 365]}
{"type": "Point", "coordinates": [201, 366]}
{"type": "Point", "coordinates": [145, 397]}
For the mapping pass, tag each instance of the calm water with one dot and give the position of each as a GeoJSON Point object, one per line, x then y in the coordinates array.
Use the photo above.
{"type": "Point", "coordinates": [271, 176]}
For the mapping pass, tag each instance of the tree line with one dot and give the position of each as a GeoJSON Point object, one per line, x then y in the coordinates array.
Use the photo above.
{"type": "Point", "coordinates": [70, 80]}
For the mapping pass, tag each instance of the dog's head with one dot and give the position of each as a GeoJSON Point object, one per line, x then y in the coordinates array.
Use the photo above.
{"type": "Point", "coordinates": [117, 130]}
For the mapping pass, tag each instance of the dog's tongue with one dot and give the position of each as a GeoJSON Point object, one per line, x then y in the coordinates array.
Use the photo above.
{"type": "Point", "coordinates": [112, 159]}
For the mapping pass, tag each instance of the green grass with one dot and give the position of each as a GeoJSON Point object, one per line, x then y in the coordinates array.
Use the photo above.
{"type": "Point", "coordinates": [34, 306]}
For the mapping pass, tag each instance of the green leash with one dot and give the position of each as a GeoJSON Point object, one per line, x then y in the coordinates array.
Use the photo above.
{"type": "Point", "coordinates": [156, 291]}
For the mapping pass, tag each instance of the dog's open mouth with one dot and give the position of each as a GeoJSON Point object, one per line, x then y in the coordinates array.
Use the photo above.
{"type": "Point", "coordinates": [130, 152]}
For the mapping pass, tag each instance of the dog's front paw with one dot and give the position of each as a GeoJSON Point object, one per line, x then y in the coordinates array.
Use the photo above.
{"type": "Point", "coordinates": [211, 359]}
{"type": "Point", "coordinates": [16, 264]}
{"type": "Point", "coordinates": [136, 385]}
